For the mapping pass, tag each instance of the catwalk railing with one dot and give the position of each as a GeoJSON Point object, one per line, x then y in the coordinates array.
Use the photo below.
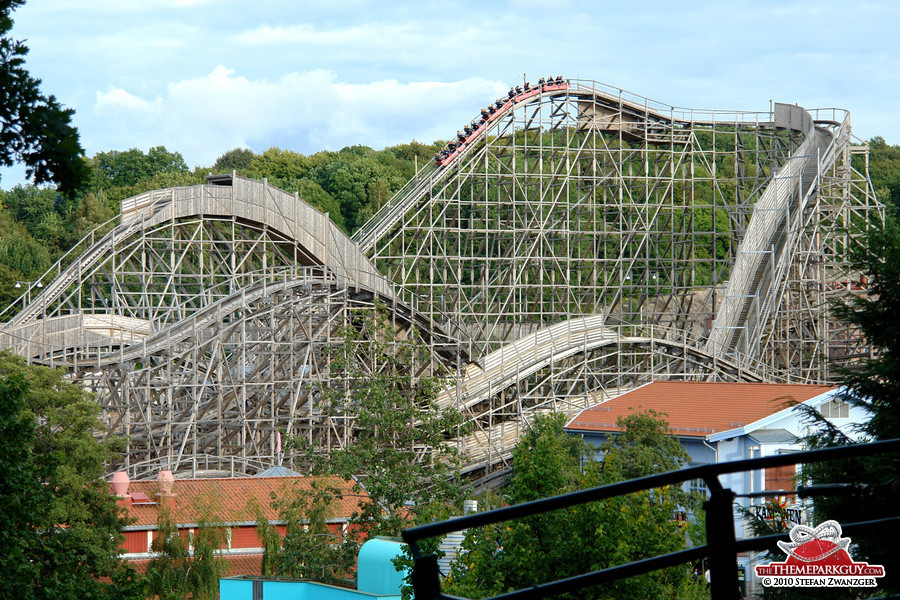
{"type": "Point", "coordinates": [721, 549]}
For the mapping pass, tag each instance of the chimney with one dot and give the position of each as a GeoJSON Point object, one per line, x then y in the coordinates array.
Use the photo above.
{"type": "Point", "coordinates": [120, 483]}
{"type": "Point", "coordinates": [165, 480]}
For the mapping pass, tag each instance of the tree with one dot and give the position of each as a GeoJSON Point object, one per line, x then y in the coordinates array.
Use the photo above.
{"type": "Point", "coordinates": [25, 257]}
{"type": "Point", "coordinates": [586, 538]}
{"type": "Point", "coordinates": [400, 452]}
{"type": "Point", "coordinates": [642, 448]}
{"type": "Point", "coordinates": [30, 205]}
{"type": "Point", "coordinates": [91, 211]}
{"type": "Point", "coordinates": [122, 174]}
{"type": "Point", "coordinates": [357, 180]}
{"type": "Point", "coordinates": [310, 548]}
{"type": "Point", "coordinates": [278, 164]}
{"type": "Point", "coordinates": [884, 170]}
{"type": "Point", "coordinates": [874, 384]}
{"type": "Point", "coordinates": [35, 129]}
{"type": "Point", "coordinates": [67, 526]}
{"type": "Point", "coordinates": [185, 566]}
{"type": "Point", "coordinates": [121, 169]}
{"type": "Point", "coordinates": [20, 492]}
{"type": "Point", "coordinates": [238, 160]}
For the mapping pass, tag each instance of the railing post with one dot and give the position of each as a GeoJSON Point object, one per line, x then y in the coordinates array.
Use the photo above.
{"type": "Point", "coordinates": [720, 537]}
{"type": "Point", "coordinates": [425, 578]}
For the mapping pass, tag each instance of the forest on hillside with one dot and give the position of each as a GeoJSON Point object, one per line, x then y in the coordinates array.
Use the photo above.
{"type": "Point", "coordinates": [40, 223]}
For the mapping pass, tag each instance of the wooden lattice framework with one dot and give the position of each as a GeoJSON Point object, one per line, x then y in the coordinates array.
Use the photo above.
{"type": "Point", "coordinates": [584, 241]}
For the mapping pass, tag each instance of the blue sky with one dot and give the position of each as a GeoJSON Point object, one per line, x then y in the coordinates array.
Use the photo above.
{"type": "Point", "coordinates": [204, 76]}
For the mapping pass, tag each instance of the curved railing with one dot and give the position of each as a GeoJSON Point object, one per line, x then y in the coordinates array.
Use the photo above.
{"type": "Point", "coordinates": [409, 195]}
{"type": "Point", "coordinates": [106, 339]}
{"type": "Point", "coordinates": [629, 113]}
{"type": "Point", "coordinates": [518, 360]}
{"type": "Point", "coordinates": [514, 363]}
{"type": "Point", "coordinates": [244, 200]}
{"type": "Point", "coordinates": [764, 255]}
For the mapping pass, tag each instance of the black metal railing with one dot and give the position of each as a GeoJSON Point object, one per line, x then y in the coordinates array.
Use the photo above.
{"type": "Point", "coordinates": [720, 550]}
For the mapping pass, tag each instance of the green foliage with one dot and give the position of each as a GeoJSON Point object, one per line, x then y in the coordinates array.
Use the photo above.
{"type": "Point", "coordinates": [276, 164]}
{"type": "Point", "coordinates": [238, 160]}
{"type": "Point", "coordinates": [309, 549]}
{"type": "Point", "coordinates": [547, 462]}
{"type": "Point", "coordinates": [884, 170]}
{"type": "Point", "coordinates": [874, 384]}
{"type": "Point", "coordinates": [642, 448]}
{"type": "Point", "coordinates": [121, 174]}
{"type": "Point", "coordinates": [67, 526]}
{"type": "Point", "coordinates": [400, 455]}
{"type": "Point", "coordinates": [357, 180]}
{"type": "Point", "coordinates": [121, 169]}
{"type": "Point", "coordinates": [185, 566]}
{"type": "Point", "coordinates": [514, 555]}
{"type": "Point", "coordinates": [34, 129]}
{"type": "Point", "coordinates": [29, 205]}
{"type": "Point", "coordinates": [24, 257]}
{"type": "Point", "coordinates": [91, 211]}
{"type": "Point", "coordinates": [21, 494]}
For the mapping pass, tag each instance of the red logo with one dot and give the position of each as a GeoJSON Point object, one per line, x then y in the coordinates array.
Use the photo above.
{"type": "Point", "coordinates": [818, 558]}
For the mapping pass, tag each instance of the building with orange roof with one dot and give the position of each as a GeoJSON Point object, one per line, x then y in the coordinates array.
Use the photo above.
{"type": "Point", "coordinates": [722, 422]}
{"type": "Point", "coordinates": [232, 503]}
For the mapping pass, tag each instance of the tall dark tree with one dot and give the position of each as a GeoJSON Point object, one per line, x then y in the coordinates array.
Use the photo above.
{"type": "Point", "coordinates": [20, 492]}
{"type": "Point", "coordinates": [66, 527]}
{"type": "Point", "coordinates": [874, 384]}
{"type": "Point", "coordinates": [34, 128]}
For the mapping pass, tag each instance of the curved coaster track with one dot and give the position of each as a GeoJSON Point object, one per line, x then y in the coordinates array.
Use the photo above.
{"type": "Point", "coordinates": [581, 241]}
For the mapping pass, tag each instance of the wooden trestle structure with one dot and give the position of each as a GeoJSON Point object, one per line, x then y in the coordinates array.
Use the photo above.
{"type": "Point", "coordinates": [585, 241]}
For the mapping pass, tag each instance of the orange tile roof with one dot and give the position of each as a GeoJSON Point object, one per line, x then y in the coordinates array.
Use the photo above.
{"type": "Point", "coordinates": [232, 499]}
{"type": "Point", "coordinates": [698, 409]}
{"type": "Point", "coordinates": [238, 564]}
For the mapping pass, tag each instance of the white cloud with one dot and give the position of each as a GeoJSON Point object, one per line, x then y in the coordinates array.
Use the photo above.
{"type": "Point", "coordinates": [118, 100]}
{"type": "Point", "coordinates": [302, 111]}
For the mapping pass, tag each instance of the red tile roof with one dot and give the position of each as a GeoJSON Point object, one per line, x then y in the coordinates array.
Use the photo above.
{"type": "Point", "coordinates": [238, 564]}
{"type": "Point", "coordinates": [232, 499]}
{"type": "Point", "coordinates": [698, 409]}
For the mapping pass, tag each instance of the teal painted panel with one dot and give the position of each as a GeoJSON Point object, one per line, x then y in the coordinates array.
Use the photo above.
{"type": "Point", "coordinates": [235, 589]}
{"type": "Point", "coordinates": [375, 572]}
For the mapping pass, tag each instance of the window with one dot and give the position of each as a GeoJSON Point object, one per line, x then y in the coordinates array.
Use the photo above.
{"type": "Point", "coordinates": [781, 478]}
{"type": "Point", "coordinates": [698, 485]}
{"type": "Point", "coordinates": [835, 409]}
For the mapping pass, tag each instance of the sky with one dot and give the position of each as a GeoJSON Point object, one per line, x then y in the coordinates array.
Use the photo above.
{"type": "Point", "coordinates": [202, 77]}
